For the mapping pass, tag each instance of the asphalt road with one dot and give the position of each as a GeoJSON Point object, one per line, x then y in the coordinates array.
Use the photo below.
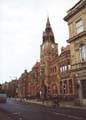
{"type": "Point", "coordinates": [28, 111]}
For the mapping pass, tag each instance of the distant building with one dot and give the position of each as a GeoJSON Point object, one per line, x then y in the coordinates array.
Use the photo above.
{"type": "Point", "coordinates": [34, 80]}
{"type": "Point", "coordinates": [11, 88]}
{"type": "Point", "coordinates": [23, 85]}
{"type": "Point", "coordinates": [29, 82]}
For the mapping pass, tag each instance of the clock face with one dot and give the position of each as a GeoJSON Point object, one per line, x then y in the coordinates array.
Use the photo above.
{"type": "Point", "coordinates": [52, 45]}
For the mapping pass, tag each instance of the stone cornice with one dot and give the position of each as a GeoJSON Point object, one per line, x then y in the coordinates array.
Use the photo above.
{"type": "Point", "coordinates": [77, 36]}
{"type": "Point", "coordinates": [82, 66]}
{"type": "Point", "coordinates": [74, 10]}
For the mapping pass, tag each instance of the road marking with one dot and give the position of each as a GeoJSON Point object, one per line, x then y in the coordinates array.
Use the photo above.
{"type": "Point", "coordinates": [65, 115]}
{"type": "Point", "coordinates": [69, 116]}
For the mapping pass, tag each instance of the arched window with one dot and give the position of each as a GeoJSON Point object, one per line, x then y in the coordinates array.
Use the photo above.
{"type": "Point", "coordinates": [83, 52]}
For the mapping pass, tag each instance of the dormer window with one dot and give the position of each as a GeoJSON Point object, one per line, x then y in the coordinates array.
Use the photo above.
{"type": "Point", "coordinates": [83, 52]}
{"type": "Point", "coordinates": [79, 26]}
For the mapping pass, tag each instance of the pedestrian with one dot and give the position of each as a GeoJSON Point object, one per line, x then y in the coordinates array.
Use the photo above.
{"type": "Point", "coordinates": [55, 101]}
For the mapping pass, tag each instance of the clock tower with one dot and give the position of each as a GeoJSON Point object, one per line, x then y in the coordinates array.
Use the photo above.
{"type": "Point", "coordinates": [49, 49]}
{"type": "Point", "coordinates": [48, 53]}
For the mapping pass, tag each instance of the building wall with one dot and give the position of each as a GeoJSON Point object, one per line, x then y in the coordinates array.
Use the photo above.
{"type": "Point", "coordinates": [29, 82]}
{"type": "Point", "coordinates": [66, 81]}
{"type": "Point", "coordinates": [59, 74]}
{"type": "Point", "coordinates": [74, 46]}
{"type": "Point", "coordinates": [77, 39]}
{"type": "Point", "coordinates": [48, 62]}
{"type": "Point", "coordinates": [72, 22]}
{"type": "Point", "coordinates": [54, 77]}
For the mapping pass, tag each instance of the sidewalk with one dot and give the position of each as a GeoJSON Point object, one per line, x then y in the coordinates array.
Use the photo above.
{"type": "Point", "coordinates": [72, 105]}
{"type": "Point", "coordinates": [49, 104]}
{"type": "Point", "coordinates": [4, 115]}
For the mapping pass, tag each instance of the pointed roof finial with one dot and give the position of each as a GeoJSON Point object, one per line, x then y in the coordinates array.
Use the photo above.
{"type": "Point", "coordinates": [48, 23]}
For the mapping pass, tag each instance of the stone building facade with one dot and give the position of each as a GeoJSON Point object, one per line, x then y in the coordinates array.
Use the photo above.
{"type": "Point", "coordinates": [76, 19]}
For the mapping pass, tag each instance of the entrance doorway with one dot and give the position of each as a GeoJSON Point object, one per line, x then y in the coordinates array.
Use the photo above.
{"type": "Point", "coordinates": [83, 85]}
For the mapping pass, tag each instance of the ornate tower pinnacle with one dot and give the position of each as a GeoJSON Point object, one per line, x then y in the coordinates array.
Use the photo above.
{"type": "Point", "coordinates": [48, 23]}
{"type": "Point", "coordinates": [48, 33]}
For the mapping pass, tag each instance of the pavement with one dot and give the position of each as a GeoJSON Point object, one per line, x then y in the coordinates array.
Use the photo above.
{"type": "Point", "coordinates": [4, 115]}
{"type": "Point", "coordinates": [65, 104]}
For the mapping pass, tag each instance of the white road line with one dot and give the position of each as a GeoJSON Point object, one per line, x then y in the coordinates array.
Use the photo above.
{"type": "Point", "coordinates": [69, 116]}
{"type": "Point", "coordinates": [65, 115]}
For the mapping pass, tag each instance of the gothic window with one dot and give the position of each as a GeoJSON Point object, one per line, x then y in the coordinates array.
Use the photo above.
{"type": "Point", "coordinates": [79, 26]}
{"type": "Point", "coordinates": [83, 52]}
{"type": "Point", "coordinates": [63, 67]}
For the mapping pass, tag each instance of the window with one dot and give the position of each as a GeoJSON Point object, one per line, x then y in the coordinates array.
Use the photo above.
{"type": "Point", "coordinates": [60, 87]}
{"type": "Point", "coordinates": [83, 52]}
{"type": "Point", "coordinates": [65, 87]}
{"type": "Point", "coordinates": [65, 67]}
{"type": "Point", "coordinates": [83, 83]}
{"type": "Point", "coordinates": [55, 68]}
{"type": "Point", "coordinates": [70, 86]}
{"type": "Point", "coordinates": [61, 69]}
{"type": "Point", "coordinates": [79, 26]}
{"type": "Point", "coordinates": [69, 67]}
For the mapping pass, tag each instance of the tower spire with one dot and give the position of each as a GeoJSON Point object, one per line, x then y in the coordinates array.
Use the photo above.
{"type": "Point", "coordinates": [48, 33]}
{"type": "Point", "coordinates": [48, 23]}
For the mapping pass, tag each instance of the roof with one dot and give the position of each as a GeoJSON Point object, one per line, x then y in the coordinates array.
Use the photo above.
{"type": "Point", "coordinates": [37, 64]}
{"type": "Point", "coordinates": [75, 9]}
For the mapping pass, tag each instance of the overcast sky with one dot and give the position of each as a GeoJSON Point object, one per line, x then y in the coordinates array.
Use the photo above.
{"type": "Point", "coordinates": [21, 25]}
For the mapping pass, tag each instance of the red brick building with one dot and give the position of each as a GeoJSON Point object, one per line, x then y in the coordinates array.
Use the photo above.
{"type": "Point", "coordinates": [61, 74]}
{"type": "Point", "coordinates": [66, 80]}
{"type": "Point", "coordinates": [56, 76]}
{"type": "Point", "coordinates": [52, 75]}
{"type": "Point", "coordinates": [29, 82]}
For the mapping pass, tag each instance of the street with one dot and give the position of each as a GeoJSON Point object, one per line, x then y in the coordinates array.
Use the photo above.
{"type": "Point", "coordinates": [14, 110]}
